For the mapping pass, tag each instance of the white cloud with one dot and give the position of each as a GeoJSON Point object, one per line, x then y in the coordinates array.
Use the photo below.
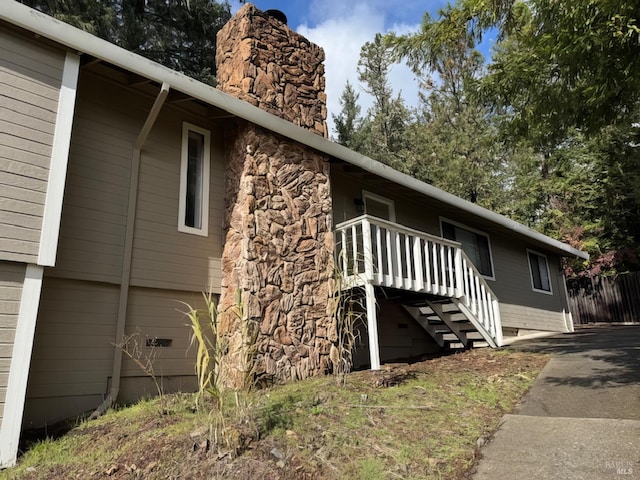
{"type": "Point", "coordinates": [341, 29]}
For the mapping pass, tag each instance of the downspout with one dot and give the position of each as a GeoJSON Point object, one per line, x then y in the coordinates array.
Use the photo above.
{"type": "Point", "coordinates": [128, 250]}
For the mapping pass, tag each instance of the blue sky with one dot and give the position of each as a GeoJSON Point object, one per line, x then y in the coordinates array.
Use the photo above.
{"type": "Point", "coordinates": [341, 27]}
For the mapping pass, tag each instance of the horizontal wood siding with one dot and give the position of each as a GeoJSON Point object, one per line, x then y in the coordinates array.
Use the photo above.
{"type": "Point", "coordinates": [94, 212]}
{"type": "Point", "coordinates": [11, 281]}
{"type": "Point", "coordinates": [155, 313]}
{"type": "Point", "coordinates": [163, 257]}
{"type": "Point", "coordinates": [531, 318]}
{"type": "Point", "coordinates": [400, 336]}
{"type": "Point", "coordinates": [73, 346]}
{"type": "Point", "coordinates": [30, 79]}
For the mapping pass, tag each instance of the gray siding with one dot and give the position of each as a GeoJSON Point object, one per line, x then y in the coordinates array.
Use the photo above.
{"type": "Point", "coordinates": [521, 307]}
{"type": "Point", "coordinates": [92, 235]}
{"type": "Point", "coordinates": [30, 78]}
{"type": "Point", "coordinates": [158, 313]}
{"type": "Point", "coordinates": [163, 257]}
{"type": "Point", "coordinates": [73, 339]}
{"type": "Point", "coordinates": [73, 349]}
{"type": "Point", "coordinates": [94, 212]}
{"type": "Point", "coordinates": [11, 281]}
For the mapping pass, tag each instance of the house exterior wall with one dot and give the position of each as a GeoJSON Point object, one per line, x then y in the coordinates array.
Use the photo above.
{"type": "Point", "coordinates": [521, 307]}
{"type": "Point", "coordinates": [73, 351]}
{"type": "Point", "coordinates": [75, 334]}
{"type": "Point", "coordinates": [30, 79]}
{"type": "Point", "coordinates": [108, 119]}
{"type": "Point", "coordinates": [11, 281]}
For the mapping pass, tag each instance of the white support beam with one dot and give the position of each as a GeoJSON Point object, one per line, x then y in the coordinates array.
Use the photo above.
{"type": "Point", "coordinates": [20, 363]}
{"type": "Point", "coordinates": [59, 160]}
{"type": "Point", "coordinates": [372, 327]}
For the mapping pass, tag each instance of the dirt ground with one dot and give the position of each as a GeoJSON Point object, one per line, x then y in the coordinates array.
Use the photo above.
{"type": "Point", "coordinates": [160, 447]}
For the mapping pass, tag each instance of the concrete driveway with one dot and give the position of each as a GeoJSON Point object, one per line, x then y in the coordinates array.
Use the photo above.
{"type": "Point", "coordinates": [581, 418]}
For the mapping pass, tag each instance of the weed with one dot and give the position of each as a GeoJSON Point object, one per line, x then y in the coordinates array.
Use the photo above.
{"type": "Point", "coordinates": [145, 359]}
{"type": "Point", "coordinates": [348, 312]}
{"type": "Point", "coordinates": [212, 348]}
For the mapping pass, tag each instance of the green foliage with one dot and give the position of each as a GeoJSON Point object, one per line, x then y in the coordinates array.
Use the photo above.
{"type": "Point", "coordinates": [547, 134]}
{"type": "Point", "coordinates": [347, 122]}
{"type": "Point", "coordinates": [381, 133]}
{"type": "Point", "coordinates": [179, 34]}
{"type": "Point", "coordinates": [348, 312]}
{"type": "Point", "coordinates": [210, 348]}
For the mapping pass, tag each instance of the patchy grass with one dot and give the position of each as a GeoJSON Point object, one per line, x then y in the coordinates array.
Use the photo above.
{"type": "Point", "coordinates": [416, 421]}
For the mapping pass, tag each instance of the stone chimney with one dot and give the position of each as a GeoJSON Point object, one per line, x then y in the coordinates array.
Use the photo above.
{"type": "Point", "coordinates": [262, 61]}
{"type": "Point", "coordinates": [277, 262]}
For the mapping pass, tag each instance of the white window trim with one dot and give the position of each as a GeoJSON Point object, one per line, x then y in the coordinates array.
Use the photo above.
{"type": "Point", "coordinates": [378, 198]}
{"type": "Point", "coordinates": [476, 231]}
{"type": "Point", "coordinates": [546, 261]}
{"type": "Point", "coordinates": [184, 162]}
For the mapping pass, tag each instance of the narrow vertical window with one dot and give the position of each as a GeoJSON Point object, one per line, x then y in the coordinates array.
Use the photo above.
{"type": "Point", "coordinates": [540, 278]}
{"type": "Point", "coordinates": [194, 180]}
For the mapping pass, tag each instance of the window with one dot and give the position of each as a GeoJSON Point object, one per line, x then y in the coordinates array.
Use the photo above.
{"type": "Point", "coordinates": [474, 243]}
{"type": "Point", "coordinates": [540, 279]}
{"type": "Point", "coordinates": [194, 180]}
{"type": "Point", "coordinates": [378, 206]}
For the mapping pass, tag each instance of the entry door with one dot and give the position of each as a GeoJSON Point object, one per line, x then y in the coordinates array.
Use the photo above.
{"type": "Point", "coordinates": [381, 207]}
{"type": "Point", "coordinates": [378, 206]}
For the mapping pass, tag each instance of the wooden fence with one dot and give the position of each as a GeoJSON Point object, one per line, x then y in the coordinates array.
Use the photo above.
{"type": "Point", "coordinates": [605, 299]}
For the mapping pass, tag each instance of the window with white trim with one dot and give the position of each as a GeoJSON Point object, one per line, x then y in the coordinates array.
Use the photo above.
{"type": "Point", "coordinates": [474, 243]}
{"type": "Point", "coordinates": [539, 267]}
{"type": "Point", "coordinates": [378, 206]}
{"type": "Point", "coordinates": [193, 216]}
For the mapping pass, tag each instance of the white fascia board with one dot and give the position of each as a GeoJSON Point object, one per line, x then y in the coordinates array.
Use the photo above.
{"type": "Point", "coordinates": [59, 160]}
{"type": "Point", "coordinates": [71, 37]}
{"type": "Point", "coordinates": [20, 363]}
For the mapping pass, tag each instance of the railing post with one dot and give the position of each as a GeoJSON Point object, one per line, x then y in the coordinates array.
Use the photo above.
{"type": "Point", "coordinates": [442, 289]}
{"type": "Point", "coordinates": [399, 281]}
{"type": "Point", "coordinates": [367, 250]}
{"type": "Point", "coordinates": [427, 266]}
{"type": "Point", "coordinates": [497, 322]}
{"type": "Point", "coordinates": [459, 274]}
{"type": "Point", "coordinates": [436, 277]}
{"type": "Point", "coordinates": [408, 284]}
{"type": "Point", "coordinates": [450, 273]}
{"type": "Point", "coordinates": [354, 247]}
{"type": "Point", "coordinates": [379, 257]}
{"type": "Point", "coordinates": [417, 264]}
{"type": "Point", "coordinates": [389, 247]}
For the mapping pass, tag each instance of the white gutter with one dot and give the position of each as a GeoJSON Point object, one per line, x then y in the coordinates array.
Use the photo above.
{"type": "Point", "coordinates": [71, 37]}
{"type": "Point", "coordinates": [125, 278]}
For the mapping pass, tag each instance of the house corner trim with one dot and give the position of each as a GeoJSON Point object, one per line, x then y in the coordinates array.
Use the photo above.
{"type": "Point", "coordinates": [20, 363]}
{"type": "Point", "coordinates": [59, 160]}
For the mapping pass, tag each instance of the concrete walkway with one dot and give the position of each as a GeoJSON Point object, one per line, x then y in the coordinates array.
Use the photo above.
{"type": "Point", "coordinates": [581, 418]}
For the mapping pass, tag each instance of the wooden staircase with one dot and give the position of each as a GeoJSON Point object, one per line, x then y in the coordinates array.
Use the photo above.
{"type": "Point", "coordinates": [447, 324]}
{"type": "Point", "coordinates": [454, 303]}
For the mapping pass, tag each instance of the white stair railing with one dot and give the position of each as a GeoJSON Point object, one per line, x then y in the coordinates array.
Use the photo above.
{"type": "Point", "coordinates": [373, 251]}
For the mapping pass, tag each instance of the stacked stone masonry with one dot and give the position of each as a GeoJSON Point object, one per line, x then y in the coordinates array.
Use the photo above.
{"type": "Point", "coordinates": [272, 67]}
{"type": "Point", "coordinates": [279, 244]}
